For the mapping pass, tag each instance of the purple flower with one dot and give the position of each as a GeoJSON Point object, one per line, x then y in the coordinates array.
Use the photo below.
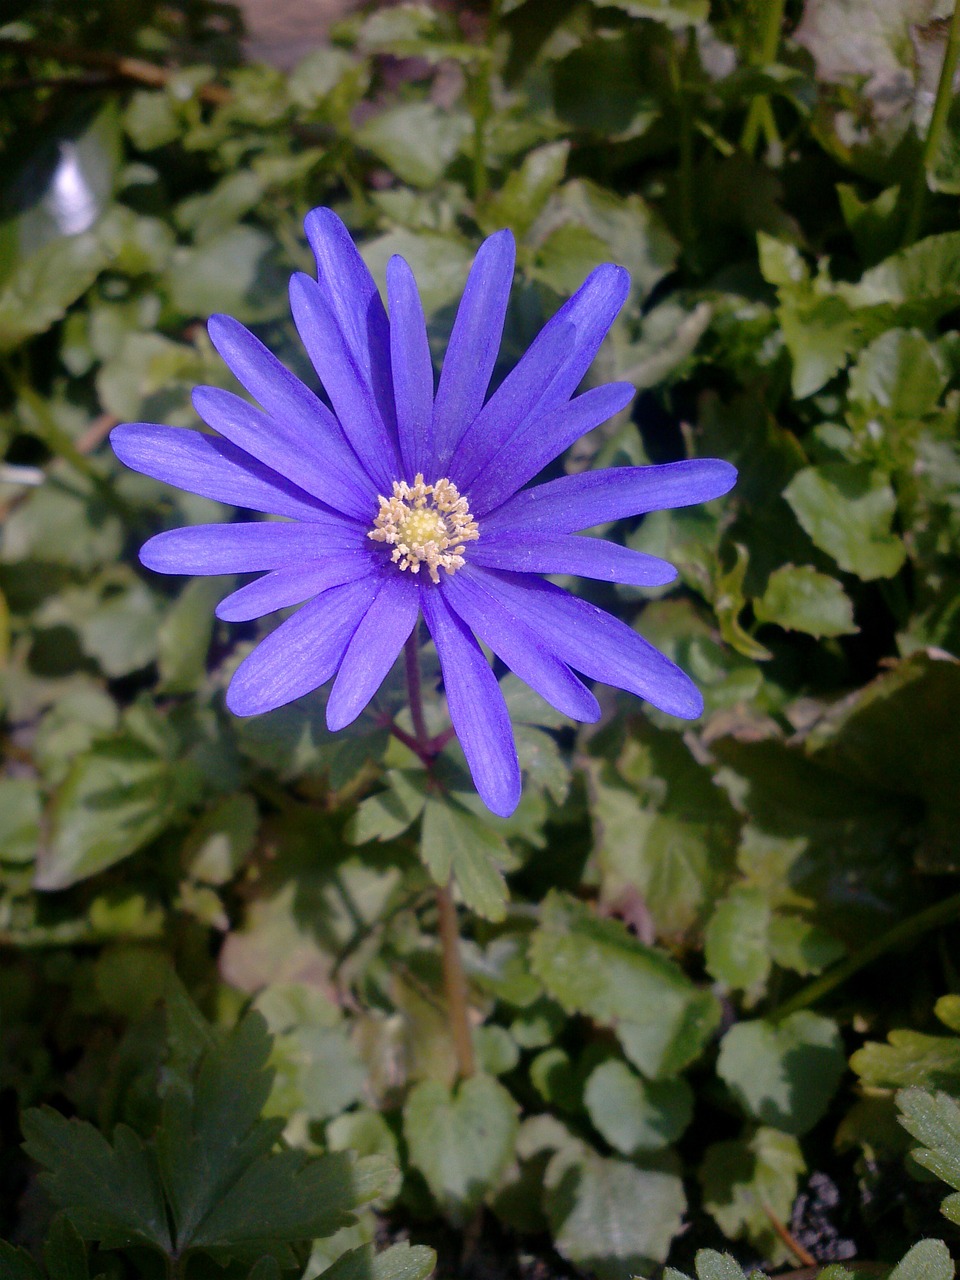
{"type": "Point", "coordinates": [405, 500]}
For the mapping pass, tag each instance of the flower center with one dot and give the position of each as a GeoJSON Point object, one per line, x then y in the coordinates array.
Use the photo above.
{"type": "Point", "coordinates": [425, 524]}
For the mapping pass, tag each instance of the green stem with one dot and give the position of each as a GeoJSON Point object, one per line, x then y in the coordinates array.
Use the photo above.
{"type": "Point", "coordinates": [760, 114]}
{"type": "Point", "coordinates": [900, 935]}
{"type": "Point", "coordinates": [454, 978]}
{"type": "Point", "coordinates": [917, 197]}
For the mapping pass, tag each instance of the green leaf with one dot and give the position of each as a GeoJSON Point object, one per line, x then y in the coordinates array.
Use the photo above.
{"type": "Point", "coordinates": [672, 13]}
{"type": "Point", "coordinates": [934, 1120]}
{"type": "Point", "coordinates": [112, 1194]}
{"type": "Point", "coordinates": [900, 372]}
{"type": "Point", "coordinates": [928, 1260]}
{"type": "Point", "coordinates": [64, 1252]}
{"type": "Point", "coordinates": [460, 1140]}
{"type": "Point", "coordinates": [389, 813]}
{"type": "Point", "coordinates": [847, 509]}
{"type": "Point", "coordinates": [183, 637]}
{"type": "Point", "coordinates": [17, 1264]}
{"type": "Point", "coordinates": [417, 140]}
{"type": "Point", "coordinates": [217, 845]}
{"type": "Point", "coordinates": [737, 940]}
{"type": "Point", "coordinates": [439, 262]}
{"type": "Point", "coordinates": [229, 272]}
{"type": "Point", "coordinates": [740, 1177]}
{"type": "Point", "coordinates": [455, 842]}
{"type": "Point", "coordinates": [596, 967]}
{"type": "Point", "coordinates": [402, 1261]}
{"type": "Point", "coordinates": [784, 1074]}
{"type": "Point", "coordinates": [633, 1114]}
{"type": "Point", "coordinates": [798, 598]}
{"type": "Point", "coordinates": [43, 285]}
{"type": "Point", "coordinates": [611, 1218]}
{"type": "Point", "coordinates": [20, 812]}
{"type": "Point", "coordinates": [526, 190]}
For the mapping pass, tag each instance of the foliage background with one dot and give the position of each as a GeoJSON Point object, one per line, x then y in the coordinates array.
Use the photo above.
{"type": "Point", "coordinates": [726, 945]}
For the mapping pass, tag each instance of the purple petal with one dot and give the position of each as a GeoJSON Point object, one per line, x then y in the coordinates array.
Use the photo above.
{"type": "Point", "coordinates": [596, 643]}
{"type": "Point", "coordinates": [412, 370]}
{"type": "Point", "coordinates": [284, 587]}
{"type": "Point", "coordinates": [211, 467]}
{"type": "Point", "coordinates": [570, 553]}
{"type": "Point", "coordinates": [537, 443]}
{"type": "Point", "coordinates": [352, 297]}
{"type": "Point", "coordinates": [591, 311]}
{"type": "Point", "coordinates": [511, 638]}
{"type": "Point", "coordinates": [250, 548]}
{"type": "Point", "coordinates": [596, 497]}
{"type": "Point", "coordinates": [474, 344]}
{"type": "Point", "coordinates": [303, 652]}
{"type": "Point", "coordinates": [374, 648]}
{"type": "Point", "coordinates": [346, 380]}
{"type": "Point", "coordinates": [302, 428]}
{"type": "Point", "coordinates": [509, 409]}
{"type": "Point", "coordinates": [477, 708]}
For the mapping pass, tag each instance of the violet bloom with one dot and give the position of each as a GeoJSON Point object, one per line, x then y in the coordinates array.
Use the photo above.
{"type": "Point", "coordinates": [404, 500]}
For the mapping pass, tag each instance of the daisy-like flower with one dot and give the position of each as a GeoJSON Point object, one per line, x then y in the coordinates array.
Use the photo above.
{"type": "Point", "coordinates": [404, 500]}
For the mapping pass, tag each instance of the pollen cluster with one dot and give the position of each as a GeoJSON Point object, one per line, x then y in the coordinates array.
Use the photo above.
{"type": "Point", "coordinates": [425, 524]}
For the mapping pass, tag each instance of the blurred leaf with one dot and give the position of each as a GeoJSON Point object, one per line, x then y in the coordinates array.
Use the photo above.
{"type": "Point", "coordinates": [847, 510]}
{"type": "Point", "coordinates": [635, 1115]}
{"type": "Point", "coordinates": [64, 1252]}
{"type": "Point", "coordinates": [610, 1217]}
{"type": "Point", "coordinates": [232, 272]}
{"type": "Point", "coordinates": [597, 968]}
{"type": "Point", "coordinates": [900, 372]}
{"type": "Point", "coordinates": [783, 1074]}
{"type": "Point", "coordinates": [737, 940]}
{"type": "Point", "coordinates": [455, 843]}
{"type": "Point", "coordinates": [673, 13]}
{"type": "Point", "coordinates": [417, 140]}
{"type": "Point", "coordinates": [743, 1178]}
{"type": "Point", "coordinates": [215, 849]}
{"type": "Point", "coordinates": [402, 1261]}
{"type": "Point", "coordinates": [183, 637]}
{"type": "Point", "coordinates": [40, 288]}
{"type": "Point", "coordinates": [388, 813]}
{"type": "Point", "coordinates": [439, 262]}
{"type": "Point", "coordinates": [460, 1140]}
{"type": "Point", "coordinates": [20, 812]}
{"type": "Point", "coordinates": [115, 799]}
{"type": "Point", "coordinates": [526, 190]}
{"type": "Point", "coordinates": [798, 598]}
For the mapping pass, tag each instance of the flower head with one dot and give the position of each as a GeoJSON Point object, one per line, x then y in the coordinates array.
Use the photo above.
{"type": "Point", "coordinates": [405, 500]}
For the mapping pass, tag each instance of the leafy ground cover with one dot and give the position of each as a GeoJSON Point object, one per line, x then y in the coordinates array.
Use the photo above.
{"type": "Point", "coordinates": [712, 967]}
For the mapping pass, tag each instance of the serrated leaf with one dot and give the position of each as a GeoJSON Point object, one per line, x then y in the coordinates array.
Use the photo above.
{"type": "Point", "coordinates": [63, 1252]}
{"type": "Point", "coordinates": [390, 812]}
{"type": "Point", "coordinates": [783, 1074]}
{"type": "Point", "coordinates": [934, 1120]}
{"type": "Point", "coordinates": [455, 842]}
{"type": "Point", "coordinates": [17, 1264]}
{"type": "Point", "coordinates": [112, 1194]}
{"type": "Point", "coordinates": [798, 598]}
{"type": "Point", "coordinates": [597, 968]}
{"type": "Point", "coordinates": [460, 1140]}
{"type": "Point", "coordinates": [846, 509]}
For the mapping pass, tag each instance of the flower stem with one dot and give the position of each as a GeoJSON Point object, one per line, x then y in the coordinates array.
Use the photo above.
{"type": "Point", "coordinates": [454, 979]}
{"type": "Point", "coordinates": [917, 197]}
{"type": "Point", "coordinates": [906, 931]}
{"type": "Point", "coordinates": [455, 983]}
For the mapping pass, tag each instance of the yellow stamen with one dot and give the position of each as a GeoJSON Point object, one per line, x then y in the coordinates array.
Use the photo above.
{"type": "Point", "coordinates": [425, 524]}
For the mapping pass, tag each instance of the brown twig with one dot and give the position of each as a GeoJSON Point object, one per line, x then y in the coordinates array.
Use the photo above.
{"type": "Point", "coordinates": [805, 1258]}
{"type": "Point", "coordinates": [135, 69]}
